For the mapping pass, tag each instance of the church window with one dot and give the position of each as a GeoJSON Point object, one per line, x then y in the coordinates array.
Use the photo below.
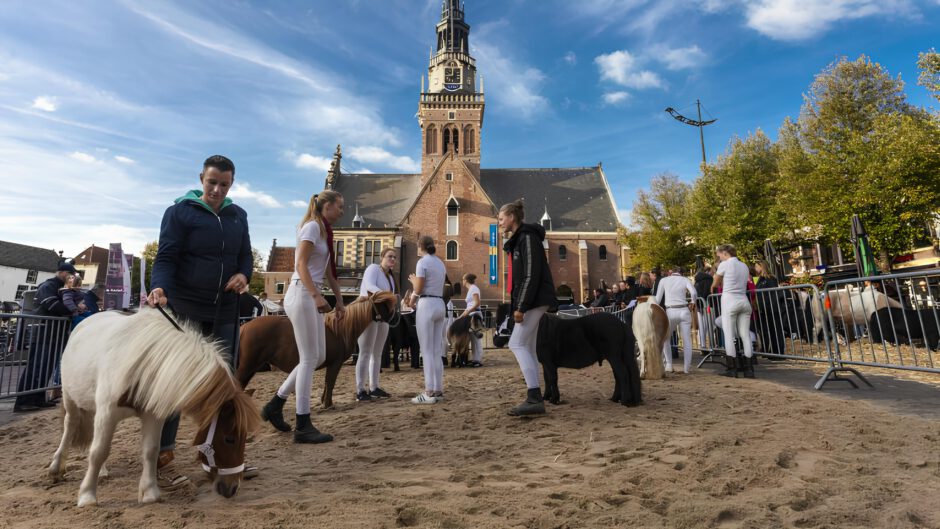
{"type": "Point", "coordinates": [430, 143]}
{"type": "Point", "coordinates": [562, 253]}
{"type": "Point", "coordinates": [451, 115]}
{"type": "Point", "coordinates": [453, 225]}
{"type": "Point", "coordinates": [451, 139]}
{"type": "Point", "coordinates": [451, 250]}
{"type": "Point", "coordinates": [468, 140]}
{"type": "Point", "coordinates": [602, 252]}
{"type": "Point", "coordinates": [449, 177]}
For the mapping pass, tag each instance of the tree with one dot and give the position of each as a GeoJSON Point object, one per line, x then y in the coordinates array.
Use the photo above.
{"type": "Point", "coordinates": [734, 200]}
{"type": "Point", "coordinates": [871, 154]}
{"type": "Point", "coordinates": [256, 285]}
{"type": "Point", "coordinates": [929, 64]}
{"type": "Point", "coordinates": [659, 235]}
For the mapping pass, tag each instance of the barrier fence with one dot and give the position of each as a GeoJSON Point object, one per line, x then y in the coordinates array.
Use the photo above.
{"type": "Point", "coordinates": [30, 349]}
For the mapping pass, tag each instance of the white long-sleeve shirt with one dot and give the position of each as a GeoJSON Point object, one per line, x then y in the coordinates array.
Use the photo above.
{"type": "Point", "coordinates": [374, 280]}
{"type": "Point", "coordinates": [672, 291]}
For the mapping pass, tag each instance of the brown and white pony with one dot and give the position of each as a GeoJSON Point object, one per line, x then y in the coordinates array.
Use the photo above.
{"type": "Point", "coordinates": [116, 366]}
{"type": "Point", "coordinates": [651, 328]}
{"type": "Point", "coordinates": [270, 340]}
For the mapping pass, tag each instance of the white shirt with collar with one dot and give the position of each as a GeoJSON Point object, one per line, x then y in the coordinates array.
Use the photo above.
{"type": "Point", "coordinates": [672, 291]}
{"type": "Point", "coordinates": [734, 275]}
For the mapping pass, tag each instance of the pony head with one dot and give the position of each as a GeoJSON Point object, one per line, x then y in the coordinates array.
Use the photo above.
{"type": "Point", "coordinates": [221, 442]}
{"type": "Point", "coordinates": [379, 306]}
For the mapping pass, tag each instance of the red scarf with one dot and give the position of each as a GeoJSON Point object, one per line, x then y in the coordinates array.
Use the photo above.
{"type": "Point", "coordinates": [329, 242]}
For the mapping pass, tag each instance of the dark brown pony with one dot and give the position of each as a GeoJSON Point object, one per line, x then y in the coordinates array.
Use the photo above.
{"type": "Point", "coordinates": [270, 340]}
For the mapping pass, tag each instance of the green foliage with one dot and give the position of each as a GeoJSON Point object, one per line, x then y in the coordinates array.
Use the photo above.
{"type": "Point", "coordinates": [149, 254]}
{"type": "Point", "coordinates": [659, 236]}
{"type": "Point", "coordinates": [929, 64]}
{"type": "Point", "coordinates": [256, 284]}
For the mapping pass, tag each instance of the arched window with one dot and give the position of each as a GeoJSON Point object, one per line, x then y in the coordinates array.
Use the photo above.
{"type": "Point", "coordinates": [562, 253]}
{"type": "Point", "coordinates": [451, 250]}
{"type": "Point", "coordinates": [430, 143]}
{"type": "Point", "coordinates": [602, 252]}
{"type": "Point", "coordinates": [468, 140]}
{"type": "Point", "coordinates": [453, 225]}
{"type": "Point", "coordinates": [451, 139]}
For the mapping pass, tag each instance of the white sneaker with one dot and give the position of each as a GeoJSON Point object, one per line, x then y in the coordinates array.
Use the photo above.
{"type": "Point", "coordinates": [422, 398]}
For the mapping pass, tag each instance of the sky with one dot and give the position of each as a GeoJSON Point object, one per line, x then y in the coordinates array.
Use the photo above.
{"type": "Point", "coordinates": [108, 108]}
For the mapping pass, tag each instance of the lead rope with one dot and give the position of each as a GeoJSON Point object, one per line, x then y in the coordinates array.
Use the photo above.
{"type": "Point", "coordinates": [207, 450]}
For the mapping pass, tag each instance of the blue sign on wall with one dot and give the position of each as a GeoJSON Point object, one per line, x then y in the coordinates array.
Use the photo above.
{"type": "Point", "coordinates": [494, 256]}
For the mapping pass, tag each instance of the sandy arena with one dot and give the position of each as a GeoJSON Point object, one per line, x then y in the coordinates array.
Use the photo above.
{"type": "Point", "coordinates": [703, 451]}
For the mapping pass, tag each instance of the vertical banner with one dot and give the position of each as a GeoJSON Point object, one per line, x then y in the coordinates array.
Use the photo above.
{"type": "Point", "coordinates": [114, 282]}
{"type": "Point", "coordinates": [128, 266]}
{"type": "Point", "coordinates": [494, 256]}
{"type": "Point", "coordinates": [143, 281]}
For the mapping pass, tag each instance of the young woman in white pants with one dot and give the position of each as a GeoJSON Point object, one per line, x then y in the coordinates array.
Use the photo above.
{"type": "Point", "coordinates": [473, 310]}
{"type": "Point", "coordinates": [732, 277]}
{"type": "Point", "coordinates": [305, 305]}
{"type": "Point", "coordinates": [377, 277]}
{"type": "Point", "coordinates": [427, 299]}
{"type": "Point", "coordinates": [533, 293]}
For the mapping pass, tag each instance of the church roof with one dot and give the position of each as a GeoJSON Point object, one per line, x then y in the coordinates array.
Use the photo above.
{"type": "Point", "coordinates": [578, 197]}
{"type": "Point", "coordinates": [383, 199]}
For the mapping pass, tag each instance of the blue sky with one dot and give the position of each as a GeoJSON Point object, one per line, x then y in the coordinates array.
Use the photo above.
{"type": "Point", "coordinates": [108, 108]}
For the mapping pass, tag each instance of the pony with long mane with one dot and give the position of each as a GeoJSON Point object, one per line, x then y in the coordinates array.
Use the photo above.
{"type": "Point", "coordinates": [651, 328]}
{"type": "Point", "coordinates": [116, 366]}
{"type": "Point", "coordinates": [270, 340]}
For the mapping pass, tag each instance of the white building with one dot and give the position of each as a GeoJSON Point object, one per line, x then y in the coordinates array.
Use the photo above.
{"type": "Point", "coordinates": [23, 267]}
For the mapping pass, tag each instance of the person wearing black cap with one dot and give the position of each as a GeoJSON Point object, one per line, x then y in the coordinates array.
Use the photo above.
{"type": "Point", "coordinates": [44, 342]}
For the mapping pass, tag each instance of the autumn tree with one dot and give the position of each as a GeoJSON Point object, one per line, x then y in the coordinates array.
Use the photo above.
{"type": "Point", "coordinates": [929, 64]}
{"type": "Point", "coordinates": [659, 235]}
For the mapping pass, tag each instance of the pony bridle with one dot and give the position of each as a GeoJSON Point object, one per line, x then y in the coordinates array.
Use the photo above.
{"type": "Point", "coordinates": [207, 450]}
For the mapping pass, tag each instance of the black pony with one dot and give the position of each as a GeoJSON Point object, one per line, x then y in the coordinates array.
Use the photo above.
{"type": "Point", "coordinates": [579, 342]}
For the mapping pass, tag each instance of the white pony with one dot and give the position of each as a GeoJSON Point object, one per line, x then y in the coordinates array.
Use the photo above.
{"type": "Point", "coordinates": [651, 328]}
{"type": "Point", "coordinates": [118, 365]}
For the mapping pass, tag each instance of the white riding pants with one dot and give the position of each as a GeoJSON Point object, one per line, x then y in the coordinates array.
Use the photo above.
{"type": "Point", "coordinates": [429, 320]}
{"type": "Point", "coordinates": [310, 333]}
{"type": "Point", "coordinates": [523, 342]}
{"type": "Point", "coordinates": [736, 316]}
{"type": "Point", "coordinates": [681, 319]}
{"type": "Point", "coordinates": [371, 345]}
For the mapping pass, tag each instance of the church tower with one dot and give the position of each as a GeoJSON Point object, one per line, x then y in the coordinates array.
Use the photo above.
{"type": "Point", "coordinates": [450, 112]}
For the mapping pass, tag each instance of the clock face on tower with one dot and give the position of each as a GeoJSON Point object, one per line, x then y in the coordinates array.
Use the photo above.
{"type": "Point", "coordinates": [451, 79]}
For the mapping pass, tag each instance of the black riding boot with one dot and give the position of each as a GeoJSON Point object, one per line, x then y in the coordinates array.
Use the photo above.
{"type": "Point", "coordinates": [533, 404]}
{"type": "Point", "coordinates": [308, 433]}
{"type": "Point", "coordinates": [731, 367]}
{"type": "Point", "coordinates": [749, 366]}
{"type": "Point", "coordinates": [273, 412]}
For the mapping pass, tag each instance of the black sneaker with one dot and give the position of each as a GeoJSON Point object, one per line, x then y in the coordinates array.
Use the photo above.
{"type": "Point", "coordinates": [379, 393]}
{"type": "Point", "coordinates": [363, 396]}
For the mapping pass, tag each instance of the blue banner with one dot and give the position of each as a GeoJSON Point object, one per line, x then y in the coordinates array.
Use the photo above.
{"type": "Point", "coordinates": [494, 256]}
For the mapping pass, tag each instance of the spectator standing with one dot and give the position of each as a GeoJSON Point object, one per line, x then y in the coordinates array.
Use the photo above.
{"type": "Point", "coordinates": [644, 286]}
{"type": "Point", "coordinates": [769, 311]}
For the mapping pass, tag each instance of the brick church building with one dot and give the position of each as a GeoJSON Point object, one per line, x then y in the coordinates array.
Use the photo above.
{"type": "Point", "coordinates": [456, 201]}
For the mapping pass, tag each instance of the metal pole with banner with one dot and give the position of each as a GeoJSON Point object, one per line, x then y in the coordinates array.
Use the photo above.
{"type": "Point", "coordinates": [494, 256]}
{"type": "Point", "coordinates": [114, 282]}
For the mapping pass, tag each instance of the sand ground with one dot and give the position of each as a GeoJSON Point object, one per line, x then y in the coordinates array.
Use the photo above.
{"type": "Point", "coordinates": [703, 451]}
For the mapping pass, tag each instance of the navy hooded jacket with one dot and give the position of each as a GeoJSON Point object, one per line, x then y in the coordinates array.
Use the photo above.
{"type": "Point", "coordinates": [532, 284]}
{"type": "Point", "coordinates": [199, 252]}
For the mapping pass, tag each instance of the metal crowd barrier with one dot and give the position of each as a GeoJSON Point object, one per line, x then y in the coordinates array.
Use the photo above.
{"type": "Point", "coordinates": [30, 349]}
{"type": "Point", "coordinates": [890, 321]}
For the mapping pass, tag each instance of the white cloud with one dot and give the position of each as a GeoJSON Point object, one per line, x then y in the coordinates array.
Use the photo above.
{"type": "Point", "coordinates": [571, 58]}
{"type": "Point", "coordinates": [803, 19]}
{"type": "Point", "coordinates": [678, 58]}
{"type": "Point", "coordinates": [513, 86]}
{"type": "Point", "coordinates": [46, 103]}
{"type": "Point", "coordinates": [622, 68]}
{"type": "Point", "coordinates": [616, 98]}
{"type": "Point", "coordinates": [298, 203]}
{"type": "Point", "coordinates": [243, 191]}
{"type": "Point", "coordinates": [125, 160]}
{"type": "Point", "coordinates": [309, 161]}
{"type": "Point", "coordinates": [378, 155]}
{"type": "Point", "coordinates": [83, 157]}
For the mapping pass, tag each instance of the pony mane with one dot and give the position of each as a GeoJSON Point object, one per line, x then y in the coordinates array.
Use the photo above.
{"type": "Point", "coordinates": [358, 316]}
{"type": "Point", "coordinates": [162, 370]}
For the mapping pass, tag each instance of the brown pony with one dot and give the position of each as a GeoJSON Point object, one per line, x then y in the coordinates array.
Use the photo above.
{"type": "Point", "coordinates": [270, 340]}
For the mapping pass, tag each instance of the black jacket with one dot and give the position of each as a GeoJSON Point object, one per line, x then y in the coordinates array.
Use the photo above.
{"type": "Point", "coordinates": [47, 300]}
{"type": "Point", "coordinates": [199, 252]}
{"type": "Point", "coordinates": [532, 284]}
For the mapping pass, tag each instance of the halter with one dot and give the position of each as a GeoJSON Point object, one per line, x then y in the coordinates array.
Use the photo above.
{"type": "Point", "coordinates": [395, 316]}
{"type": "Point", "coordinates": [207, 450]}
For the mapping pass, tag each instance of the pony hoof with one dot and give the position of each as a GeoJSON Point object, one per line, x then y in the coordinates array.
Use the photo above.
{"type": "Point", "coordinates": [87, 500]}
{"type": "Point", "coordinates": [149, 496]}
{"type": "Point", "coordinates": [56, 476]}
